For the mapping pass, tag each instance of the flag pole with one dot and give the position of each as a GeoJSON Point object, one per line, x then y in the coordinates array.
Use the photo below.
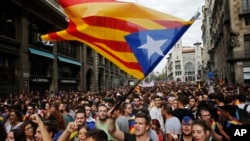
{"type": "Point", "coordinates": [125, 96]}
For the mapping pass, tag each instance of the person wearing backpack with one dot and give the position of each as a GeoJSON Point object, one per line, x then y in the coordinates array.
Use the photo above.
{"type": "Point", "coordinates": [243, 104]}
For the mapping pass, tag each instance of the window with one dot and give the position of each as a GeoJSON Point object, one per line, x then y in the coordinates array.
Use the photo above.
{"type": "Point", "coordinates": [90, 57]}
{"type": "Point", "coordinates": [247, 44]}
{"type": "Point", "coordinates": [247, 21]}
{"type": "Point", "coordinates": [189, 68]}
{"type": "Point", "coordinates": [8, 21]}
{"type": "Point", "coordinates": [67, 48]}
{"type": "Point", "coordinates": [177, 67]}
{"type": "Point", "coordinates": [245, 5]}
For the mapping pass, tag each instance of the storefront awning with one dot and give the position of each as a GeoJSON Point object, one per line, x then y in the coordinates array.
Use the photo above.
{"type": "Point", "coordinates": [41, 53]}
{"type": "Point", "coordinates": [70, 61]}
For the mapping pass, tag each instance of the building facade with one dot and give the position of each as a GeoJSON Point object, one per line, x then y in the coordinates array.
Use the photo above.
{"type": "Point", "coordinates": [228, 39]}
{"type": "Point", "coordinates": [29, 64]}
{"type": "Point", "coordinates": [185, 63]}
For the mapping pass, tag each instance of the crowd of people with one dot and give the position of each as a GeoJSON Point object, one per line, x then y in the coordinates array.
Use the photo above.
{"type": "Point", "coordinates": [170, 112]}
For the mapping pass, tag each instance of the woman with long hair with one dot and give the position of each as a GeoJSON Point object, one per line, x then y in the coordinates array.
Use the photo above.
{"type": "Point", "coordinates": [28, 131]}
{"type": "Point", "coordinates": [2, 132]}
{"type": "Point", "coordinates": [13, 135]}
{"type": "Point", "coordinates": [201, 130]}
{"type": "Point", "coordinates": [155, 125]}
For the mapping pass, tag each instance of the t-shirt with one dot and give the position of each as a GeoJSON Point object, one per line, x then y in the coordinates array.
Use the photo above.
{"type": "Point", "coordinates": [131, 137]}
{"type": "Point", "coordinates": [123, 124]}
{"type": "Point", "coordinates": [104, 127]}
{"type": "Point", "coordinates": [172, 125]}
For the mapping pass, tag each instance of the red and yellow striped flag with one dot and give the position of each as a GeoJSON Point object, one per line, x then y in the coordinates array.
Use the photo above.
{"type": "Point", "coordinates": [133, 37]}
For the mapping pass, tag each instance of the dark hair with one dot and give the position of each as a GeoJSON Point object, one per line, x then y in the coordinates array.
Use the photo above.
{"type": "Point", "coordinates": [145, 116]}
{"type": "Point", "coordinates": [102, 105]}
{"type": "Point", "coordinates": [22, 127]}
{"type": "Point", "coordinates": [97, 135]}
{"type": "Point", "coordinates": [51, 127]}
{"type": "Point", "coordinates": [81, 111]}
{"type": "Point", "coordinates": [203, 124]}
{"type": "Point", "coordinates": [3, 132]}
{"type": "Point", "coordinates": [19, 114]}
{"type": "Point", "coordinates": [182, 99]}
{"type": "Point", "coordinates": [242, 97]}
{"type": "Point", "coordinates": [83, 126]}
{"type": "Point", "coordinates": [18, 136]}
{"type": "Point", "coordinates": [230, 108]}
{"type": "Point", "coordinates": [202, 108]}
{"type": "Point", "coordinates": [80, 108]}
{"type": "Point", "coordinates": [156, 122]}
{"type": "Point", "coordinates": [167, 108]}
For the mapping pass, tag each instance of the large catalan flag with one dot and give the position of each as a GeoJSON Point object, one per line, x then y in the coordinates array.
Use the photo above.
{"type": "Point", "coordinates": [133, 37]}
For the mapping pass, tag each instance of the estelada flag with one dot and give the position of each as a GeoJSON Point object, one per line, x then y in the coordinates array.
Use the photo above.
{"type": "Point", "coordinates": [133, 37]}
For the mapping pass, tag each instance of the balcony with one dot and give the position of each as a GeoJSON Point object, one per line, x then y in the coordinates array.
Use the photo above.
{"type": "Point", "coordinates": [238, 56]}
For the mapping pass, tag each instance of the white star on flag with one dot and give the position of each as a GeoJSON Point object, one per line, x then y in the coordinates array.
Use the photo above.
{"type": "Point", "coordinates": [153, 46]}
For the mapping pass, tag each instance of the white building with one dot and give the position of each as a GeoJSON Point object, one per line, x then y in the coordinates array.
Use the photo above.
{"type": "Point", "coordinates": [185, 63]}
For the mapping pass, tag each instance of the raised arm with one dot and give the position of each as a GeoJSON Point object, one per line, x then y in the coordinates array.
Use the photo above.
{"type": "Point", "coordinates": [44, 132]}
{"type": "Point", "coordinates": [117, 134]}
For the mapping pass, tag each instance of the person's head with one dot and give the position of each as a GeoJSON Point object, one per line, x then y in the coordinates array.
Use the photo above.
{"type": "Point", "coordinates": [242, 98]}
{"type": "Point", "coordinates": [27, 129]}
{"type": "Point", "coordinates": [229, 111]}
{"type": "Point", "coordinates": [166, 110]}
{"type": "Point", "coordinates": [171, 100]}
{"type": "Point", "coordinates": [47, 105]}
{"type": "Point", "coordinates": [192, 102]}
{"type": "Point", "coordinates": [38, 134]}
{"type": "Point", "coordinates": [155, 125]}
{"type": "Point", "coordinates": [182, 101]}
{"type": "Point", "coordinates": [53, 108]}
{"type": "Point", "coordinates": [87, 108]}
{"type": "Point", "coordinates": [229, 100]}
{"type": "Point", "coordinates": [51, 127]}
{"type": "Point", "coordinates": [30, 109]}
{"type": "Point", "coordinates": [142, 123]}
{"type": "Point", "coordinates": [205, 96]}
{"type": "Point", "coordinates": [93, 107]}
{"type": "Point", "coordinates": [175, 104]}
{"type": "Point", "coordinates": [201, 130]}
{"type": "Point", "coordinates": [61, 107]}
{"type": "Point", "coordinates": [126, 108]}
{"type": "Point", "coordinates": [204, 113]}
{"type": "Point", "coordinates": [186, 124]}
{"type": "Point", "coordinates": [136, 101]}
{"type": "Point", "coordinates": [80, 117]}
{"type": "Point", "coordinates": [7, 111]}
{"type": "Point", "coordinates": [127, 100]}
{"type": "Point", "coordinates": [102, 112]}
{"type": "Point", "coordinates": [13, 135]}
{"type": "Point", "coordinates": [82, 131]}
{"type": "Point", "coordinates": [96, 135]}
{"type": "Point", "coordinates": [15, 116]}
{"type": "Point", "coordinates": [157, 100]}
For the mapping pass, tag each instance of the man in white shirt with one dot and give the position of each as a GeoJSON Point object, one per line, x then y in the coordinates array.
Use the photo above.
{"type": "Point", "coordinates": [155, 111]}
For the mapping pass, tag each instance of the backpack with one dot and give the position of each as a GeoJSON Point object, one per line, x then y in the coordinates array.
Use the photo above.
{"type": "Point", "coordinates": [243, 114]}
{"type": "Point", "coordinates": [245, 109]}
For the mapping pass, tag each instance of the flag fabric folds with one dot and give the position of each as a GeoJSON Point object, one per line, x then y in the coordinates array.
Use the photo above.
{"type": "Point", "coordinates": [133, 37]}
